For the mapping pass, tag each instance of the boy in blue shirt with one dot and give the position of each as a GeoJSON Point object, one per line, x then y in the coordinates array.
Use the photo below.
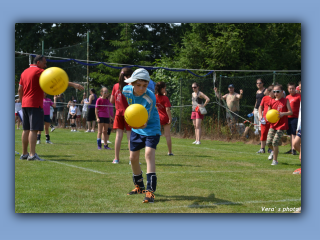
{"type": "Point", "coordinates": [147, 136]}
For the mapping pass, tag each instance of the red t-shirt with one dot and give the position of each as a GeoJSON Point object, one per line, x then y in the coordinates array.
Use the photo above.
{"type": "Point", "coordinates": [120, 100]}
{"type": "Point", "coordinates": [32, 92]}
{"type": "Point", "coordinates": [265, 102]}
{"type": "Point", "coordinates": [162, 103]}
{"type": "Point", "coordinates": [294, 104]}
{"type": "Point", "coordinates": [281, 106]}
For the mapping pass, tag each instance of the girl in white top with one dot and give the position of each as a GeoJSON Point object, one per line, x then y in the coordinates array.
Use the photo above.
{"type": "Point", "coordinates": [17, 108]}
{"type": "Point", "coordinates": [73, 116]}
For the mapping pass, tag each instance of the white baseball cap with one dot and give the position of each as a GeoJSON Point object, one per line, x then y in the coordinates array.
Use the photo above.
{"type": "Point", "coordinates": [141, 74]}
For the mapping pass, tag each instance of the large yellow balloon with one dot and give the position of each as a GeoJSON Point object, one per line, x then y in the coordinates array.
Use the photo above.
{"type": "Point", "coordinates": [273, 116]}
{"type": "Point", "coordinates": [54, 81]}
{"type": "Point", "coordinates": [136, 115]}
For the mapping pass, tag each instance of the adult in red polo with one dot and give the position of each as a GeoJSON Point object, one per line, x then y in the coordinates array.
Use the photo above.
{"type": "Point", "coordinates": [294, 100]}
{"type": "Point", "coordinates": [31, 97]}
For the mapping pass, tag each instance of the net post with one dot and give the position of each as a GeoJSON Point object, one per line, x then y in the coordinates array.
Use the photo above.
{"type": "Point", "coordinates": [42, 47]}
{"type": "Point", "coordinates": [219, 101]}
{"type": "Point", "coordinates": [87, 63]}
{"type": "Point", "coordinates": [274, 77]}
{"type": "Point", "coordinates": [180, 116]}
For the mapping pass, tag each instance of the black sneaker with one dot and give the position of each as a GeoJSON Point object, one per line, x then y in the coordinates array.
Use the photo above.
{"type": "Point", "coordinates": [137, 190]}
{"type": "Point", "coordinates": [289, 152]}
{"type": "Point", "coordinates": [149, 197]}
{"type": "Point", "coordinates": [294, 152]}
{"type": "Point", "coordinates": [24, 157]}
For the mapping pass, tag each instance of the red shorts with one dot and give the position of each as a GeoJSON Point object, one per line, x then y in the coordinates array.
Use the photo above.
{"type": "Point", "coordinates": [78, 116]}
{"type": "Point", "coordinates": [164, 120]}
{"type": "Point", "coordinates": [196, 115]}
{"type": "Point", "coordinates": [120, 123]}
{"type": "Point", "coordinates": [16, 114]}
{"type": "Point", "coordinates": [264, 131]}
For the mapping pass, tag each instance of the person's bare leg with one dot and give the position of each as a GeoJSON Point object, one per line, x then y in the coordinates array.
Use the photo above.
{"type": "Point", "coordinates": [32, 141]}
{"type": "Point", "coordinates": [128, 138]}
{"type": "Point", "coordinates": [25, 141]}
{"type": "Point", "coordinates": [93, 125]}
{"type": "Point", "coordinates": [135, 166]}
{"type": "Point", "coordinates": [117, 144]}
{"type": "Point", "coordinates": [275, 152]}
{"type": "Point", "coordinates": [195, 128]}
{"type": "Point", "coordinates": [198, 124]}
{"type": "Point", "coordinates": [150, 159]}
{"type": "Point", "coordinates": [89, 125]}
{"type": "Point", "coordinates": [166, 129]}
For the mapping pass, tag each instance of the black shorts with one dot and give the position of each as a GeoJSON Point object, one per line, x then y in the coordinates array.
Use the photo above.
{"type": "Point", "coordinates": [73, 116]}
{"type": "Point", "coordinates": [292, 123]}
{"type": "Point", "coordinates": [104, 120]}
{"type": "Point", "coordinates": [91, 115]}
{"type": "Point", "coordinates": [47, 118]}
{"type": "Point", "coordinates": [137, 141]}
{"type": "Point", "coordinates": [33, 119]}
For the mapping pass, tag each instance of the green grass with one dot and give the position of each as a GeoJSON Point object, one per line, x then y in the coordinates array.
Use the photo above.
{"type": "Point", "coordinates": [214, 177]}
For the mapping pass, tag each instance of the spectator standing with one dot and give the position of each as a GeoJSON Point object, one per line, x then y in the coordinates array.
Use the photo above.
{"type": "Point", "coordinates": [47, 103]}
{"type": "Point", "coordinates": [259, 95]}
{"type": "Point", "coordinates": [84, 102]}
{"type": "Point", "coordinates": [17, 108]}
{"type": "Point", "coordinates": [294, 100]}
{"type": "Point", "coordinates": [91, 117]}
{"type": "Point", "coordinates": [232, 98]}
{"type": "Point", "coordinates": [163, 106]}
{"type": "Point", "coordinates": [60, 111]}
{"type": "Point", "coordinates": [73, 115]}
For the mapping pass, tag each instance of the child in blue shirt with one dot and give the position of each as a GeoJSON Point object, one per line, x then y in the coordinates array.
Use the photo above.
{"type": "Point", "coordinates": [147, 136]}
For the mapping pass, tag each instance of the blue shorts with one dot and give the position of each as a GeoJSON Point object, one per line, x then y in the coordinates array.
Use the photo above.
{"type": "Point", "coordinates": [292, 123]}
{"type": "Point", "coordinates": [299, 134]}
{"type": "Point", "coordinates": [137, 141]}
{"type": "Point", "coordinates": [47, 118]}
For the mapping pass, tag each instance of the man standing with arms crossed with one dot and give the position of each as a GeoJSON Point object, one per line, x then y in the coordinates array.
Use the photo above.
{"type": "Point", "coordinates": [31, 97]}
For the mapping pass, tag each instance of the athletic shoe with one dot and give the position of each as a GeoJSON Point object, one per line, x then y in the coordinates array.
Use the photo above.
{"type": "Point", "coordinates": [38, 141]}
{"type": "Point", "coordinates": [289, 152]}
{"type": "Point", "coordinates": [194, 142]}
{"type": "Point", "coordinates": [88, 130]}
{"type": "Point", "coordinates": [107, 148]}
{"type": "Point", "coordinates": [49, 142]}
{"type": "Point", "coordinates": [115, 161]}
{"type": "Point", "coordinates": [92, 130]}
{"type": "Point", "coordinates": [24, 157]}
{"type": "Point", "coordinates": [170, 154]}
{"type": "Point", "coordinates": [52, 129]}
{"type": "Point", "coordinates": [297, 171]}
{"type": "Point", "coordinates": [149, 198]}
{"type": "Point", "coordinates": [294, 152]}
{"type": "Point", "coordinates": [198, 143]}
{"type": "Point", "coordinates": [102, 141]}
{"type": "Point", "coordinates": [269, 150]}
{"type": "Point", "coordinates": [270, 156]}
{"type": "Point", "coordinates": [137, 190]}
{"type": "Point", "coordinates": [261, 151]}
{"type": "Point", "coordinates": [99, 148]}
{"type": "Point", "coordinates": [71, 130]}
{"type": "Point", "coordinates": [274, 162]}
{"type": "Point", "coordinates": [109, 142]}
{"type": "Point", "coordinates": [35, 157]}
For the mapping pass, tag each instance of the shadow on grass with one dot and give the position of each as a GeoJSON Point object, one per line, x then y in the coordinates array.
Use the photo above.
{"type": "Point", "coordinates": [288, 164]}
{"type": "Point", "coordinates": [73, 161]}
{"type": "Point", "coordinates": [174, 165]}
{"type": "Point", "coordinates": [195, 156]}
{"type": "Point", "coordinates": [197, 200]}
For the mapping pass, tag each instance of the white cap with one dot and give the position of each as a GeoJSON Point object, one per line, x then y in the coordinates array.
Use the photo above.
{"type": "Point", "coordinates": [140, 73]}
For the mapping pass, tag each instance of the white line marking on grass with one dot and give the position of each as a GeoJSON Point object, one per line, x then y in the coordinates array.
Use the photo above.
{"type": "Point", "coordinates": [223, 203]}
{"type": "Point", "coordinates": [69, 165]}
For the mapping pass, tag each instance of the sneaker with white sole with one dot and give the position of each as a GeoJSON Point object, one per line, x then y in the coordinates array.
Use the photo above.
{"type": "Point", "coordinates": [35, 157]}
{"type": "Point", "coordinates": [38, 142]}
{"type": "Point", "coordinates": [194, 142]}
{"type": "Point", "coordinates": [102, 141]}
{"type": "Point", "coordinates": [88, 130]}
{"type": "Point", "coordinates": [198, 143]}
{"type": "Point", "coordinates": [49, 142]}
{"type": "Point", "coordinates": [24, 157]}
{"type": "Point", "coordinates": [261, 151]}
{"type": "Point", "coordinates": [115, 161]}
{"type": "Point", "coordinates": [52, 129]}
{"type": "Point", "coordinates": [274, 162]}
{"type": "Point", "coordinates": [109, 142]}
{"type": "Point", "coordinates": [170, 154]}
{"type": "Point", "coordinates": [270, 156]}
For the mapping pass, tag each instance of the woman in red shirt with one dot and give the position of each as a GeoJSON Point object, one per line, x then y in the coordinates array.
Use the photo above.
{"type": "Point", "coordinates": [163, 106]}
{"type": "Point", "coordinates": [265, 125]}
{"type": "Point", "coordinates": [121, 104]}
{"type": "Point", "coordinates": [277, 129]}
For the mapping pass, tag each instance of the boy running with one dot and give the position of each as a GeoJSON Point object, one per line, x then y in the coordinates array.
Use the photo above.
{"type": "Point", "coordinates": [147, 136]}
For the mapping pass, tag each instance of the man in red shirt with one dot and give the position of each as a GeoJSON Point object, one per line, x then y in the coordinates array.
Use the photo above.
{"type": "Point", "coordinates": [31, 98]}
{"type": "Point", "coordinates": [294, 100]}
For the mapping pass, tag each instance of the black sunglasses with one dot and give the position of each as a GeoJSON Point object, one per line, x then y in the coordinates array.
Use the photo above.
{"type": "Point", "coordinates": [259, 82]}
{"type": "Point", "coordinates": [276, 91]}
{"type": "Point", "coordinates": [194, 87]}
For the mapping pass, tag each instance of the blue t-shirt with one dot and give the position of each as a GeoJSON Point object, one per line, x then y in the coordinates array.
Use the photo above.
{"type": "Point", "coordinates": [148, 100]}
{"type": "Point", "coordinates": [151, 85]}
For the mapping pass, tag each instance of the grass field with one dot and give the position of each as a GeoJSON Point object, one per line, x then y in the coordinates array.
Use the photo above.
{"type": "Point", "coordinates": [214, 177]}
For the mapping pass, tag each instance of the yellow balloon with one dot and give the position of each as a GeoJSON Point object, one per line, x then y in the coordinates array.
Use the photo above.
{"type": "Point", "coordinates": [273, 116]}
{"type": "Point", "coordinates": [54, 81]}
{"type": "Point", "coordinates": [136, 115]}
